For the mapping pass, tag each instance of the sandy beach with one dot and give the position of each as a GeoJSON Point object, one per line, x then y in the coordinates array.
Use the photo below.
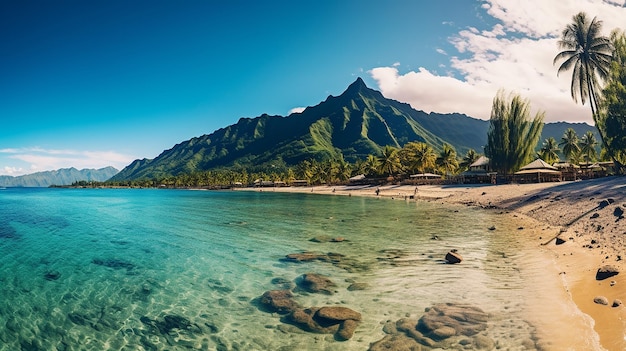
{"type": "Point", "coordinates": [586, 216]}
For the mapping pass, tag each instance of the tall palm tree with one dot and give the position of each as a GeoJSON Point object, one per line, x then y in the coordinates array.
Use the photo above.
{"type": "Point", "coordinates": [589, 54]}
{"type": "Point", "coordinates": [371, 165]}
{"type": "Point", "coordinates": [389, 161]}
{"type": "Point", "coordinates": [418, 157]}
{"type": "Point", "coordinates": [549, 151]}
{"type": "Point", "coordinates": [569, 144]}
{"type": "Point", "coordinates": [446, 160]}
{"type": "Point", "coordinates": [588, 145]}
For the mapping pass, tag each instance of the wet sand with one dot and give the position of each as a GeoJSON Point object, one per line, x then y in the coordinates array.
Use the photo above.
{"type": "Point", "coordinates": [585, 215]}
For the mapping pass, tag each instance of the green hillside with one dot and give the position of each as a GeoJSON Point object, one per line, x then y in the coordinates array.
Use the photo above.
{"type": "Point", "coordinates": [357, 123]}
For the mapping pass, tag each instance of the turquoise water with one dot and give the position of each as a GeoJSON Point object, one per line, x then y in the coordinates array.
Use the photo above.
{"type": "Point", "coordinates": [145, 269]}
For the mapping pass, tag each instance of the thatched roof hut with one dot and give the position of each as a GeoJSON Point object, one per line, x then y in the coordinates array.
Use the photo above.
{"type": "Point", "coordinates": [538, 171]}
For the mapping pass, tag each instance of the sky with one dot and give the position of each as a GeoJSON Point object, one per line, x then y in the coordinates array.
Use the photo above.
{"type": "Point", "coordinates": [90, 84]}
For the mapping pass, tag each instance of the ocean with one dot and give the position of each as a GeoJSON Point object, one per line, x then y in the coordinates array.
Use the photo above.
{"type": "Point", "coordinates": [149, 269]}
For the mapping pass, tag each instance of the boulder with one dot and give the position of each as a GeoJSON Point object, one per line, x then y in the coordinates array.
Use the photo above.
{"type": "Point", "coordinates": [481, 342]}
{"type": "Point", "coordinates": [346, 330]}
{"type": "Point", "coordinates": [464, 319]}
{"type": "Point", "coordinates": [616, 303]}
{"type": "Point", "coordinates": [340, 321]}
{"type": "Point", "coordinates": [601, 300]}
{"type": "Point", "coordinates": [453, 257]}
{"type": "Point", "coordinates": [303, 319]}
{"type": "Point", "coordinates": [606, 271]}
{"type": "Point", "coordinates": [316, 283]}
{"type": "Point", "coordinates": [280, 301]}
{"type": "Point", "coordinates": [337, 313]}
{"type": "Point", "coordinates": [395, 342]}
{"type": "Point", "coordinates": [559, 241]}
{"type": "Point", "coordinates": [618, 212]}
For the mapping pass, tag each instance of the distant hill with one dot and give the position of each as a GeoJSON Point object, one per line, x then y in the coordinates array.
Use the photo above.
{"type": "Point", "coordinates": [357, 123]}
{"type": "Point", "coordinates": [64, 176]}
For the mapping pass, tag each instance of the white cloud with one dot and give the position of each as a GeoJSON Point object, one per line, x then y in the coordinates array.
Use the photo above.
{"type": "Point", "coordinates": [516, 54]}
{"type": "Point", "coordinates": [11, 170]}
{"type": "Point", "coordinates": [396, 64]}
{"type": "Point", "coordinates": [36, 159]}
{"type": "Point", "coordinates": [297, 110]}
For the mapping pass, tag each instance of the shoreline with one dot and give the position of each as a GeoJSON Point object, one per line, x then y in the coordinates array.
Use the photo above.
{"type": "Point", "coordinates": [584, 214]}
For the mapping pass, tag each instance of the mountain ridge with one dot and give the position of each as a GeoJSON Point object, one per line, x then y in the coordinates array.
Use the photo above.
{"type": "Point", "coordinates": [352, 125]}
{"type": "Point", "coordinates": [62, 176]}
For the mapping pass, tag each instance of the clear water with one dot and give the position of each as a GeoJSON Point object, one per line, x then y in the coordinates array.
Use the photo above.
{"type": "Point", "coordinates": [98, 269]}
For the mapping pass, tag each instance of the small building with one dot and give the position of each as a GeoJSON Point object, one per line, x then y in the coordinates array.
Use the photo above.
{"type": "Point", "coordinates": [537, 171]}
{"type": "Point", "coordinates": [569, 171]}
{"type": "Point", "coordinates": [299, 182]}
{"type": "Point", "coordinates": [479, 172]}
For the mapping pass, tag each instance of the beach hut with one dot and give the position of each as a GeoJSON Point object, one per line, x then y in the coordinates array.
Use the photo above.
{"type": "Point", "coordinates": [300, 182]}
{"type": "Point", "coordinates": [569, 171]}
{"type": "Point", "coordinates": [536, 172]}
{"type": "Point", "coordinates": [357, 179]}
{"type": "Point", "coordinates": [479, 172]}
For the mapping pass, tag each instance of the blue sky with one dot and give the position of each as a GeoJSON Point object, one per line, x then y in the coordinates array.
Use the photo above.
{"type": "Point", "coordinates": [97, 83]}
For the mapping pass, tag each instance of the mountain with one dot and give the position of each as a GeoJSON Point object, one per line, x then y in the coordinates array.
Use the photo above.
{"type": "Point", "coordinates": [64, 176]}
{"type": "Point", "coordinates": [357, 123]}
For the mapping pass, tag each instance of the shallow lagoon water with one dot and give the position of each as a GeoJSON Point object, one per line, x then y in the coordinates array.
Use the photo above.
{"type": "Point", "coordinates": [124, 269]}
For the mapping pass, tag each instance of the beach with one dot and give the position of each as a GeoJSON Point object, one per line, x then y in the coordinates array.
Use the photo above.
{"type": "Point", "coordinates": [586, 217]}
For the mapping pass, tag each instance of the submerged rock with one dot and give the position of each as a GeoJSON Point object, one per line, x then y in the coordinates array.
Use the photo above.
{"type": "Point", "coordinates": [440, 327]}
{"type": "Point", "coordinates": [113, 263]}
{"type": "Point", "coordinates": [316, 283]}
{"type": "Point", "coordinates": [337, 313]}
{"type": "Point", "coordinates": [395, 342]}
{"type": "Point", "coordinates": [340, 321]}
{"type": "Point", "coordinates": [358, 286]}
{"type": "Point", "coordinates": [280, 301]}
{"type": "Point", "coordinates": [464, 319]}
{"type": "Point", "coordinates": [52, 275]}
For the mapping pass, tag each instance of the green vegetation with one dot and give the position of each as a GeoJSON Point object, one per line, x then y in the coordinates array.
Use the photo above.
{"type": "Point", "coordinates": [613, 107]}
{"type": "Point", "coordinates": [512, 134]}
{"type": "Point", "coordinates": [549, 152]}
{"type": "Point", "coordinates": [593, 60]}
{"type": "Point", "coordinates": [569, 145]}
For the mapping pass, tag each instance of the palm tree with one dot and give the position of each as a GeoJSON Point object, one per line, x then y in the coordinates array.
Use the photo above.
{"type": "Point", "coordinates": [549, 151]}
{"type": "Point", "coordinates": [589, 54]}
{"type": "Point", "coordinates": [446, 160]}
{"type": "Point", "coordinates": [371, 165]}
{"type": "Point", "coordinates": [344, 170]}
{"type": "Point", "coordinates": [512, 134]}
{"type": "Point", "coordinates": [389, 162]}
{"type": "Point", "coordinates": [569, 144]}
{"type": "Point", "coordinates": [418, 157]}
{"type": "Point", "coordinates": [470, 157]}
{"type": "Point", "coordinates": [588, 145]}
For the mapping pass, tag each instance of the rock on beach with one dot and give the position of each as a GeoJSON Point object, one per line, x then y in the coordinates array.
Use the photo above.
{"type": "Point", "coordinates": [606, 271]}
{"type": "Point", "coordinates": [453, 257]}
